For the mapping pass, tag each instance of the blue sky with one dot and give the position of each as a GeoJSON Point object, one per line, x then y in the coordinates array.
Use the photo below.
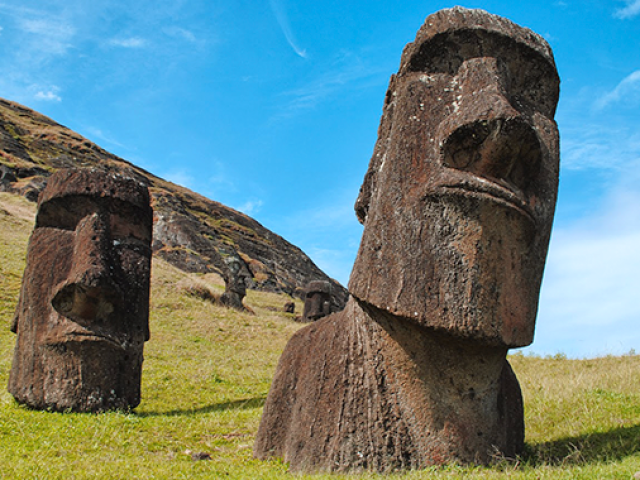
{"type": "Point", "coordinates": [272, 107]}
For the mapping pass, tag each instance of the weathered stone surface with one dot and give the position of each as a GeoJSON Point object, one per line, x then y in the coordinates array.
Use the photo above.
{"type": "Point", "coordinates": [317, 302]}
{"type": "Point", "coordinates": [235, 284]}
{"type": "Point", "coordinates": [457, 207]}
{"type": "Point", "coordinates": [190, 231]}
{"type": "Point", "coordinates": [83, 313]}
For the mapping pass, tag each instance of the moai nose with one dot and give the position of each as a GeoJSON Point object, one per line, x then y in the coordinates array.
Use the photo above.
{"type": "Point", "coordinates": [492, 138]}
{"type": "Point", "coordinates": [507, 151]}
{"type": "Point", "coordinates": [90, 293]}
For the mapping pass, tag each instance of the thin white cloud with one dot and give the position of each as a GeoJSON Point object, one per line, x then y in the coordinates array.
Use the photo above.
{"type": "Point", "coordinates": [96, 133]}
{"type": "Point", "coordinates": [588, 303]}
{"type": "Point", "coordinates": [628, 90]}
{"type": "Point", "coordinates": [631, 10]}
{"type": "Point", "coordinates": [181, 33]}
{"type": "Point", "coordinates": [250, 207]}
{"type": "Point", "coordinates": [347, 72]}
{"type": "Point", "coordinates": [49, 95]}
{"type": "Point", "coordinates": [53, 36]}
{"type": "Point", "coordinates": [180, 177]}
{"type": "Point", "coordinates": [599, 146]}
{"type": "Point", "coordinates": [278, 10]}
{"type": "Point", "coordinates": [132, 42]}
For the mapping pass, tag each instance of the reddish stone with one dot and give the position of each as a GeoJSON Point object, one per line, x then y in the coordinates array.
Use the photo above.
{"type": "Point", "coordinates": [83, 313]}
{"type": "Point", "coordinates": [457, 207]}
{"type": "Point", "coordinates": [317, 302]}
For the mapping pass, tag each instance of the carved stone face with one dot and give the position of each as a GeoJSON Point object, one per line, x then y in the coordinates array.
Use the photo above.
{"type": "Point", "coordinates": [459, 197]}
{"type": "Point", "coordinates": [317, 302]}
{"type": "Point", "coordinates": [83, 314]}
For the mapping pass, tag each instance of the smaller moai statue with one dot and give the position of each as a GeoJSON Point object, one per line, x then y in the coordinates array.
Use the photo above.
{"type": "Point", "coordinates": [83, 313]}
{"type": "Point", "coordinates": [317, 302]}
{"type": "Point", "coordinates": [235, 284]}
{"type": "Point", "coordinates": [289, 307]}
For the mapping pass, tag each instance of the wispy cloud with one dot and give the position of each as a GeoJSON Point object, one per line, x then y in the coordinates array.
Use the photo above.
{"type": "Point", "coordinates": [181, 33]}
{"type": "Point", "coordinates": [131, 42]}
{"type": "Point", "coordinates": [48, 95]}
{"type": "Point", "coordinates": [628, 90]}
{"type": "Point", "coordinates": [250, 207]}
{"type": "Point", "coordinates": [631, 10]}
{"type": "Point", "coordinates": [589, 297]}
{"type": "Point", "coordinates": [346, 72]}
{"type": "Point", "coordinates": [53, 36]}
{"type": "Point", "coordinates": [180, 177]}
{"type": "Point", "coordinates": [283, 21]}
{"type": "Point", "coordinates": [96, 133]}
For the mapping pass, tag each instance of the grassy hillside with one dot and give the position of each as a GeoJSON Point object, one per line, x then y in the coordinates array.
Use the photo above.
{"type": "Point", "coordinates": [206, 374]}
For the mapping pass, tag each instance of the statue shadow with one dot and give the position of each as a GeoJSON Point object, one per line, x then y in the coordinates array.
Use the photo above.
{"type": "Point", "coordinates": [243, 404]}
{"type": "Point", "coordinates": [614, 444]}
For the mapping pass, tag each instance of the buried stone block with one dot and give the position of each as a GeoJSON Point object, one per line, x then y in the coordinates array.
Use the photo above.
{"type": "Point", "coordinates": [457, 207]}
{"type": "Point", "coordinates": [83, 313]}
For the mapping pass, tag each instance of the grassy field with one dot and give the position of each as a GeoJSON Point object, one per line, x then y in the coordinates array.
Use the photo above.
{"type": "Point", "coordinates": [206, 374]}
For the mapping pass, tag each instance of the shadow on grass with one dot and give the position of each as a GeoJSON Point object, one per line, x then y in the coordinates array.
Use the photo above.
{"type": "Point", "coordinates": [613, 444]}
{"type": "Point", "coordinates": [216, 407]}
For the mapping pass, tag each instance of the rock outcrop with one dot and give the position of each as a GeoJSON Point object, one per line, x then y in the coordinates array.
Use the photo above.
{"type": "Point", "coordinates": [457, 207]}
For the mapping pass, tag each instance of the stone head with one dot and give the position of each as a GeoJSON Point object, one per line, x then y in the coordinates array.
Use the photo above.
{"type": "Point", "coordinates": [458, 201]}
{"type": "Point", "coordinates": [317, 302]}
{"type": "Point", "coordinates": [83, 314]}
{"type": "Point", "coordinates": [235, 278]}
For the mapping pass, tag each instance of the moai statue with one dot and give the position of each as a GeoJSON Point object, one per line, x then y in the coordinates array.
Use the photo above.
{"type": "Point", "coordinates": [235, 284]}
{"type": "Point", "coordinates": [83, 313]}
{"type": "Point", "coordinates": [317, 301]}
{"type": "Point", "coordinates": [289, 307]}
{"type": "Point", "coordinates": [457, 207]}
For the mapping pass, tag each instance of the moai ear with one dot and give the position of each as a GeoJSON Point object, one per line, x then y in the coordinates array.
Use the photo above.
{"type": "Point", "coordinates": [368, 187]}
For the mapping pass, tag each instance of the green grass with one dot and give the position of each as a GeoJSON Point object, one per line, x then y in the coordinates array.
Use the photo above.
{"type": "Point", "coordinates": [206, 374]}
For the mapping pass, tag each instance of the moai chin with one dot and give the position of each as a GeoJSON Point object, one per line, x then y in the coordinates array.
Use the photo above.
{"type": "Point", "coordinates": [317, 302]}
{"type": "Point", "coordinates": [83, 313]}
{"type": "Point", "coordinates": [457, 207]}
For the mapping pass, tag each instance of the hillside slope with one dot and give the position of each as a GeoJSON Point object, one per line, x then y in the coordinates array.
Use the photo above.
{"type": "Point", "coordinates": [190, 231]}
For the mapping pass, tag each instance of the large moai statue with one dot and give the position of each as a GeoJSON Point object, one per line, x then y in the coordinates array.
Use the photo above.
{"type": "Point", "coordinates": [317, 300]}
{"type": "Point", "coordinates": [83, 313]}
{"type": "Point", "coordinates": [457, 207]}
